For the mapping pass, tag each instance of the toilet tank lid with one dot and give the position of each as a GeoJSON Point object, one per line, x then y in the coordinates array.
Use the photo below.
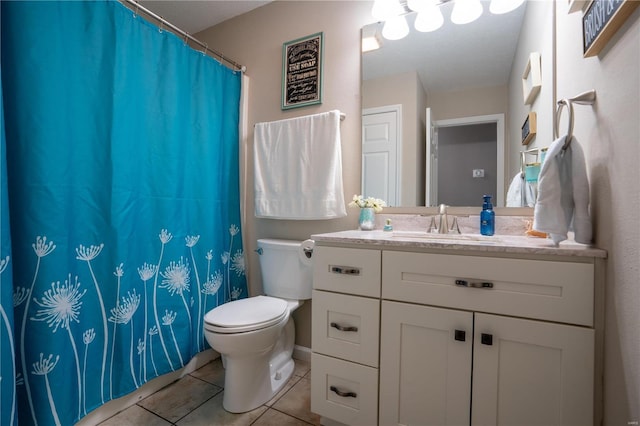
{"type": "Point", "coordinates": [278, 243]}
{"type": "Point", "coordinates": [246, 312]}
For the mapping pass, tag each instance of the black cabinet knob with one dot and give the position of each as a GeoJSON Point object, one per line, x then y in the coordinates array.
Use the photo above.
{"type": "Point", "coordinates": [486, 339]}
{"type": "Point", "coordinates": [460, 335]}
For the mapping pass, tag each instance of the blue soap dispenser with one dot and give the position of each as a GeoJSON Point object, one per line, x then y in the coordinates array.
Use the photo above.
{"type": "Point", "coordinates": [487, 217]}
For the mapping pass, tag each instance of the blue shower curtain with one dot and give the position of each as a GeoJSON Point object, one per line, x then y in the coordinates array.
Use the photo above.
{"type": "Point", "coordinates": [122, 184]}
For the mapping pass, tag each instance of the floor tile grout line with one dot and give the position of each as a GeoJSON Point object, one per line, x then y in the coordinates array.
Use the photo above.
{"type": "Point", "coordinates": [200, 405]}
{"type": "Point", "coordinates": [292, 415]}
{"type": "Point", "coordinates": [156, 414]}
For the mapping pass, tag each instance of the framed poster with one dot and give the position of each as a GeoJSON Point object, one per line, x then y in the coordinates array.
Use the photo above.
{"type": "Point", "coordinates": [601, 21]}
{"type": "Point", "coordinates": [302, 71]}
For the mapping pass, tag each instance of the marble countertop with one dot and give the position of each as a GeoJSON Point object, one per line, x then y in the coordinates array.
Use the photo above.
{"type": "Point", "coordinates": [516, 244]}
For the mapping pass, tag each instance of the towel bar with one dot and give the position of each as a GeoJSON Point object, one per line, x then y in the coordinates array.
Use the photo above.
{"type": "Point", "coordinates": [585, 98]}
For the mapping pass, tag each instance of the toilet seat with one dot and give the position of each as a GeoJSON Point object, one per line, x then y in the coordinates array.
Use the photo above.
{"type": "Point", "coordinates": [245, 315]}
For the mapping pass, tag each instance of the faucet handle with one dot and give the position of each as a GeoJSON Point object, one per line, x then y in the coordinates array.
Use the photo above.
{"type": "Point", "coordinates": [455, 229]}
{"type": "Point", "coordinates": [432, 226]}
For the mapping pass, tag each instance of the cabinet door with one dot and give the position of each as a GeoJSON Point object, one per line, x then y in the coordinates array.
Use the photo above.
{"type": "Point", "coordinates": [425, 365]}
{"type": "Point", "coordinates": [531, 373]}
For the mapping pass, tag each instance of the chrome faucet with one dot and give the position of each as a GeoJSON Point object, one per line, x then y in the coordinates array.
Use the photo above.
{"type": "Point", "coordinates": [443, 221]}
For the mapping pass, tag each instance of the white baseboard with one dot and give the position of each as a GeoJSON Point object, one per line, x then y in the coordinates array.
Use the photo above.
{"type": "Point", "coordinates": [113, 407]}
{"type": "Point", "coordinates": [302, 353]}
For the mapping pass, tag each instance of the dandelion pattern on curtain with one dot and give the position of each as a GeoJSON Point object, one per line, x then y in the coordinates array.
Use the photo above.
{"type": "Point", "coordinates": [124, 205]}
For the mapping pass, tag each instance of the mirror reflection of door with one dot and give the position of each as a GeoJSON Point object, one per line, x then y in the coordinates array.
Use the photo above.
{"type": "Point", "coordinates": [380, 153]}
{"type": "Point", "coordinates": [465, 160]}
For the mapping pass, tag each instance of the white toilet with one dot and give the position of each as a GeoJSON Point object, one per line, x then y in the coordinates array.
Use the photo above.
{"type": "Point", "coordinates": [255, 336]}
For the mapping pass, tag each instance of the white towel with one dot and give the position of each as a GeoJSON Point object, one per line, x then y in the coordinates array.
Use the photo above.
{"type": "Point", "coordinates": [298, 168]}
{"type": "Point", "coordinates": [521, 193]}
{"type": "Point", "coordinates": [563, 194]}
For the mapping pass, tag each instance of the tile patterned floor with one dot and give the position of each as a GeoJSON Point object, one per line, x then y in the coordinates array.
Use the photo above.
{"type": "Point", "coordinates": [196, 400]}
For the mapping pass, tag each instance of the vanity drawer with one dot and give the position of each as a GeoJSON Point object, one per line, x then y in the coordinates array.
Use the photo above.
{"type": "Point", "coordinates": [346, 270]}
{"type": "Point", "coordinates": [540, 289]}
{"type": "Point", "coordinates": [344, 391]}
{"type": "Point", "coordinates": [346, 327]}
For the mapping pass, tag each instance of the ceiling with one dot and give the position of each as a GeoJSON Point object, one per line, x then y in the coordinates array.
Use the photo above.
{"type": "Point", "coordinates": [193, 16]}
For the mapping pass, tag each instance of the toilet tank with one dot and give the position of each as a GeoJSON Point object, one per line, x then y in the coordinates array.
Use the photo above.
{"type": "Point", "coordinates": [286, 269]}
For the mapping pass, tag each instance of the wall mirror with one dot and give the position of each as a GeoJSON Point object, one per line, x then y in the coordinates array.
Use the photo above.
{"type": "Point", "coordinates": [443, 110]}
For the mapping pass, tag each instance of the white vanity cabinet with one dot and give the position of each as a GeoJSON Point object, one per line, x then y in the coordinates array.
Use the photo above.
{"type": "Point", "coordinates": [454, 337]}
{"type": "Point", "coordinates": [509, 341]}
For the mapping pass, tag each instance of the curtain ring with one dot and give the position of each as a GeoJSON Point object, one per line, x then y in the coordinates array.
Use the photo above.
{"type": "Point", "coordinates": [186, 36]}
{"type": "Point", "coordinates": [161, 24]}
{"type": "Point", "coordinates": [135, 12]}
{"type": "Point", "coordinates": [206, 47]}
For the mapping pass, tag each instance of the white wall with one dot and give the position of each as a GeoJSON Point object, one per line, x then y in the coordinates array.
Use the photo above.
{"type": "Point", "coordinates": [608, 132]}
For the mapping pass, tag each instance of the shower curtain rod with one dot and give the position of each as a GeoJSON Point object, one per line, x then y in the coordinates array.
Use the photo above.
{"type": "Point", "coordinates": [138, 7]}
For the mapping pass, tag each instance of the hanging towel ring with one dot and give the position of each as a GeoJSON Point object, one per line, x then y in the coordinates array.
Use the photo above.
{"type": "Point", "coordinates": [585, 98]}
{"type": "Point", "coordinates": [561, 104]}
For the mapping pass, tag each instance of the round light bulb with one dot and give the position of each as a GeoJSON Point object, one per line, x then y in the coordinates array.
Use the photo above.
{"type": "Point", "coordinates": [395, 28]}
{"type": "Point", "coordinates": [386, 9]}
{"type": "Point", "coordinates": [498, 7]}
{"type": "Point", "coordinates": [429, 20]}
{"type": "Point", "coordinates": [466, 11]}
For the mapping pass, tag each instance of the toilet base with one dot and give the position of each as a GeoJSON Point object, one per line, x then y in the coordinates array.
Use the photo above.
{"type": "Point", "coordinates": [259, 377]}
{"type": "Point", "coordinates": [251, 375]}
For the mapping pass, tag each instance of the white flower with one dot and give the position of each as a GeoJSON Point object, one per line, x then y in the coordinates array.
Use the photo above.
{"type": "Point", "coordinates": [61, 304]}
{"type": "Point", "coordinates": [147, 271]}
{"type": "Point", "coordinates": [375, 203]}
{"type": "Point", "coordinates": [123, 313]}
{"type": "Point", "coordinates": [119, 272]}
{"type": "Point", "coordinates": [235, 293]}
{"type": "Point", "coordinates": [209, 255]}
{"type": "Point", "coordinates": [191, 240]}
{"type": "Point", "coordinates": [212, 285]}
{"type": "Point", "coordinates": [44, 366]}
{"type": "Point", "coordinates": [140, 346]}
{"type": "Point", "coordinates": [90, 253]}
{"type": "Point", "coordinates": [233, 229]}
{"type": "Point", "coordinates": [176, 277]}
{"type": "Point", "coordinates": [169, 317]}
{"type": "Point", "coordinates": [88, 336]}
{"type": "Point", "coordinates": [224, 257]}
{"type": "Point", "coordinates": [20, 295]}
{"type": "Point", "coordinates": [41, 247]}
{"type": "Point", "coordinates": [153, 331]}
{"type": "Point", "coordinates": [165, 236]}
{"type": "Point", "coordinates": [237, 263]}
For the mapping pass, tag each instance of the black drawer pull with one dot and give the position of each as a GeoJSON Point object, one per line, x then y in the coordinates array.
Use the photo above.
{"type": "Point", "coordinates": [343, 394]}
{"type": "Point", "coordinates": [343, 328]}
{"type": "Point", "coordinates": [474, 284]}
{"type": "Point", "coordinates": [345, 270]}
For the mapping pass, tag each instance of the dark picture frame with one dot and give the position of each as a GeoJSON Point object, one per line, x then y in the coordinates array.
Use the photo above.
{"type": "Point", "coordinates": [302, 62]}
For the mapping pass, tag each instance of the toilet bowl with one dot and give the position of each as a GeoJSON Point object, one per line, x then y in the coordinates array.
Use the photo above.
{"type": "Point", "coordinates": [256, 335]}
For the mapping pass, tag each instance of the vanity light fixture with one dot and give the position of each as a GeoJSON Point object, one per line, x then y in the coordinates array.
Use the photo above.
{"type": "Point", "coordinates": [429, 17]}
